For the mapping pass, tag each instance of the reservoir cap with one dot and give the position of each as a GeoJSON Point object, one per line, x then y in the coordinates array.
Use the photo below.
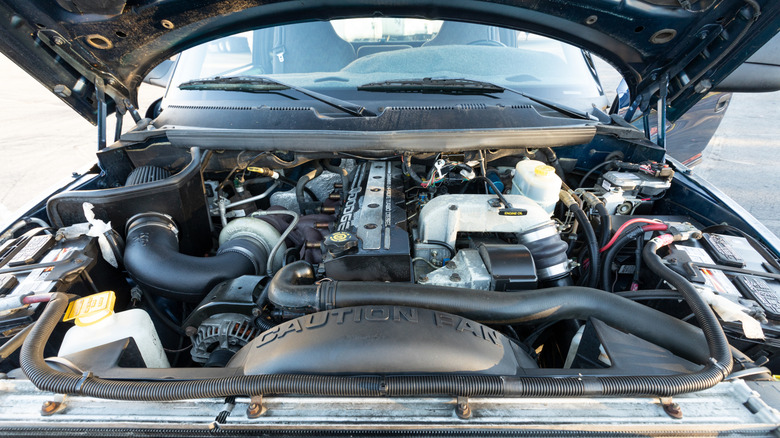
{"type": "Point", "coordinates": [91, 309]}
{"type": "Point", "coordinates": [544, 170]}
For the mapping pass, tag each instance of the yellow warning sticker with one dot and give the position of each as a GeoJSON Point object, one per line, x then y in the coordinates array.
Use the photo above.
{"type": "Point", "coordinates": [91, 309]}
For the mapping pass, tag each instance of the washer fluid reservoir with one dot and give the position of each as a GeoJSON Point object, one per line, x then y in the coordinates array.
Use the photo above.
{"type": "Point", "coordinates": [97, 324]}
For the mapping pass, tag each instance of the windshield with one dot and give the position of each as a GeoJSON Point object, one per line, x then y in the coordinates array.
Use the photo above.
{"type": "Point", "coordinates": [341, 55]}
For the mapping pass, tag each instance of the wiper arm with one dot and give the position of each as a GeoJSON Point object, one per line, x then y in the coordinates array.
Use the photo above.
{"type": "Point", "coordinates": [262, 84]}
{"type": "Point", "coordinates": [563, 109]}
{"type": "Point", "coordinates": [464, 86]}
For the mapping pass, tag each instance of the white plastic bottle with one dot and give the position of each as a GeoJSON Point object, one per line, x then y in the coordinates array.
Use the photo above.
{"type": "Point", "coordinates": [538, 182]}
{"type": "Point", "coordinates": [133, 323]}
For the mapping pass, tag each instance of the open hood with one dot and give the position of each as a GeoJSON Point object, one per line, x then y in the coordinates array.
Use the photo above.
{"type": "Point", "coordinates": [84, 50]}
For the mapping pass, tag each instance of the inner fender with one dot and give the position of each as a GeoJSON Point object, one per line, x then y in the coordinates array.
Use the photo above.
{"type": "Point", "coordinates": [382, 340]}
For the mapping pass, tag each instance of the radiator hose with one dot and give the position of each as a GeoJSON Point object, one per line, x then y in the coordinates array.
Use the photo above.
{"type": "Point", "coordinates": [717, 366]}
{"type": "Point", "coordinates": [153, 260]}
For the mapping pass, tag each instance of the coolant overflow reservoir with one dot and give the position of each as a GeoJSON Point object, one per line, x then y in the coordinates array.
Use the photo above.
{"type": "Point", "coordinates": [538, 182]}
{"type": "Point", "coordinates": [97, 324]}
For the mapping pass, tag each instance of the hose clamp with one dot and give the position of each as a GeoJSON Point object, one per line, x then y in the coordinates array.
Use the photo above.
{"type": "Point", "coordinates": [80, 384]}
{"type": "Point", "coordinates": [553, 271]}
{"type": "Point", "coordinates": [547, 229]}
{"type": "Point", "coordinates": [153, 219]}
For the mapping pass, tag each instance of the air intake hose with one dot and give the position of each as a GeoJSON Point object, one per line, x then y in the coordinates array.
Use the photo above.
{"type": "Point", "coordinates": [153, 260]}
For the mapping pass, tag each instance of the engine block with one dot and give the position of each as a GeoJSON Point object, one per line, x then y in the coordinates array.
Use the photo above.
{"type": "Point", "coordinates": [370, 241]}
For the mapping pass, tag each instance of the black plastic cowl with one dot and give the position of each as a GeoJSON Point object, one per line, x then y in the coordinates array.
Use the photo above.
{"type": "Point", "coordinates": [153, 260]}
{"type": "Point", "coordinates": [382, 339]}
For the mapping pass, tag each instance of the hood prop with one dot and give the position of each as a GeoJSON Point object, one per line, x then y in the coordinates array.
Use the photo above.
{"type": "Point", "coordinates": [102, 112]}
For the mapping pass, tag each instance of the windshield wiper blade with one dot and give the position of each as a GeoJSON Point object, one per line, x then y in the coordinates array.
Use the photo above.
{"type": "Point", "coordinates": [430, 85]}
{"type": "Point", "coordinates": [261, 84]}
{"type": "Point", "coordinates": [464, 86]}
{"type": "Point", "coordinates": [234, 83]}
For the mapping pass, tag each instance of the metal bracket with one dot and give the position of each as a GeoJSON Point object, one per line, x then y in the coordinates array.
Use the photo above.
{"type": "Point", "coordinates": [462, 408]}
{"type": "Point", "coordinates": [256, 407]}
{"type": "Point", "coordinates": [671, 408]}
{"type": "Point", "coordinates": [51, 407]}
{"type": "Point", "coordinates": [629, 116]}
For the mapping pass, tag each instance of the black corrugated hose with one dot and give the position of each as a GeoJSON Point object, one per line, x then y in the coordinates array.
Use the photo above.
{"type": "Point", "coordinates": [719, 366]}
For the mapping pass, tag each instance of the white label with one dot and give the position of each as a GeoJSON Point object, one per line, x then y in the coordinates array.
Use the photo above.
{"type": "Point", "coordinates": [713, 278]}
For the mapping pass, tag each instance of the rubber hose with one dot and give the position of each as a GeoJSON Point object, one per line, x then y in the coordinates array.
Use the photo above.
{"type": "Point", "coordinates": [593, 244]}
{"type": "Point", "coordinates": [164, 319]}
{"type": "Point", "coordinates": [293, 288]}
{"type": "Point", "coordinates": [407, 164]}
{"type": "Point", "coordinates": [716, 340]}
{"type": "Point", "coordinates": [306, 190]}
{"type": "Point", "coordinates": [552, 160]}
{"type": "Point", "coordinates": [628, 235]}
{"type": "Point", "coordinates": [606, 224]}
{"type": "Point", "coordinates": [604, 217]}
{"type": "Point", "coordinates": [549, 253]}
{"type": "Point", "coordinates": [153, 260]}
{"type": "Point", "coordinates": [650, 294]}
{"type": "Point", "coordinates": [301, 184]}
{"type": "Point", "coordinates": [344, 177]}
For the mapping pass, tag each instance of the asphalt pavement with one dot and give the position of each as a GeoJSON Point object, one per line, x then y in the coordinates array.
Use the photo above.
{"type": "Point", "coordinates": [743, 157]}
{"type": "Point", "coordinates": [43, 141]}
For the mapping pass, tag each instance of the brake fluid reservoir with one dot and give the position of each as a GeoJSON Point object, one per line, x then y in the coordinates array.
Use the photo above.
{"type": "Point", "coordinates": [97, 325]}
{"type": "Point", "coordinates": [537, 181]}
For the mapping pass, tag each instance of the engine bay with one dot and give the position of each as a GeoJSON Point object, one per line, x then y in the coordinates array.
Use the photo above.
{"type": "Point", "coordinates": [522, 264]}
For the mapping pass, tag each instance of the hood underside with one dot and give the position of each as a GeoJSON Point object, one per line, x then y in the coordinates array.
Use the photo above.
{"type": "Point", "coordinates": [83, 49]}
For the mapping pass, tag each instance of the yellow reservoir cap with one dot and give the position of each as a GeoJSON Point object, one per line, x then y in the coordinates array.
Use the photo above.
{"type": "Point", "coordinates": [91, 309]}
{"type": "Point", "coordinates": [544, 170]}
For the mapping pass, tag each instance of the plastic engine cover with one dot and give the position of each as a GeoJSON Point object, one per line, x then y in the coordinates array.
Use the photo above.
{"type": "Point", "coordinates": [382, 340]}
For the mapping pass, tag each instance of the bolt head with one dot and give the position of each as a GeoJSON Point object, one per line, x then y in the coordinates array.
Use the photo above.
{"type": "Point", "coordinates": [255, 410]}
{"type": "Point", "coordinates": [463, 411]}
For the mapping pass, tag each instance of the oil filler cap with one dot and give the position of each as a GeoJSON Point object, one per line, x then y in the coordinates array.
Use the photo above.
{"type": "Point", "coordinates": [340, 243]}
